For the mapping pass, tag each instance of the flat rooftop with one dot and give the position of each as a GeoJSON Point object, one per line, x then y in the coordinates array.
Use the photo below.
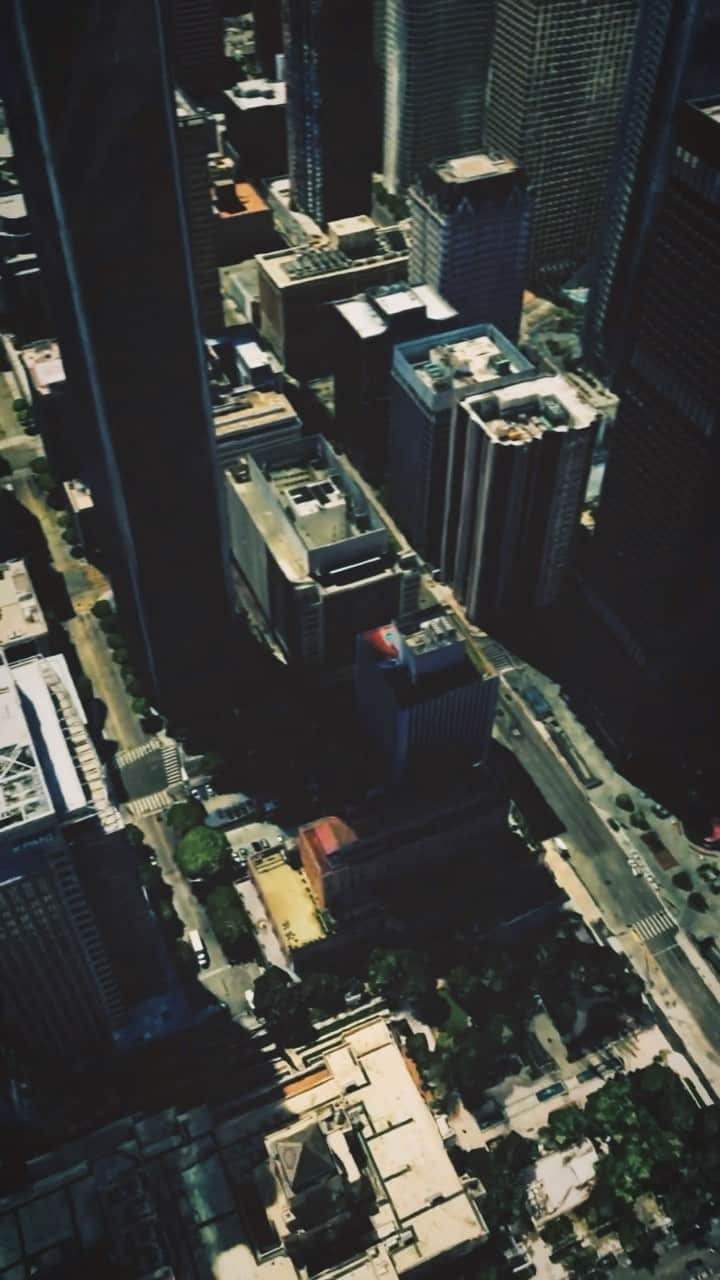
{"type": "Point", "coordinates": [248, 199]}
{"type": "Point", "coordinates": [21, 618]}
{"type": "Point", "coordinates": [292, 266]}
{"type": "Point", "coordinates": [251, 409]}
{"type": "Point", "coordinates": [248, 95]}
{"type": "Point", "coordinates": [78, 495]}
{"type": "Point", "coordinates": [44, 365]}
{"type": "Point", "coordinates": [468, 362]}
{"type": "Point", "coordinates": [289, 902]}
{"type": "Point", "coordinates": [372, 313]}
{"type": "Point", "coordinates": [519, 414]}
{"type": "Point", "coordinates": [24, 797]}
{"type": "Point", "coordinates": [469, 168]}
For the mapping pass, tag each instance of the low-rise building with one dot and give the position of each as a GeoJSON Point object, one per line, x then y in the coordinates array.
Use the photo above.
{"type": "Point", "coordinates": [430, 377]}
{"type": "Point", "coordinates": [561, 1181]}
{"type": "Point", "coordinates": [297, 283]}
{"type": "Point", "coordinates": [248, 418]}
{"type": "Point", "coordinates": [43, 365]}
{"type": "Point", "coordinates": [313, 546]}
{"type": "Point", "coordinates": [81, 507]}
{"type": "Point", "coordinates": [23, 629]}
{"type": "Point", "coordinates": [422, 697]}
{"type": "Point", "coordinates": [291, 909]}
{"type": "Point", "coordinates": [341, 1170]}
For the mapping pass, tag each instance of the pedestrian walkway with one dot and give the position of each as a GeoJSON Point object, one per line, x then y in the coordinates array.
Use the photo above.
{"type": "Point", "coordinates": [171, 761]}
{"type": "Point", "coordinates": [655, 925]}
{"type": "Point", "coordinates": [146, 806]}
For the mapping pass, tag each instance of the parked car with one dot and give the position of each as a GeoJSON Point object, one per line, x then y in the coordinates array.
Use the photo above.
{"type": "Point", "coordinates": [551, 1091]}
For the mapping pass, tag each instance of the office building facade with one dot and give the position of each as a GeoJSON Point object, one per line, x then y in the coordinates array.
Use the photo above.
{"type": "Point", "coordinates": [127, 320]}
{"type": "Point", "coordinates": [267, 24]}
{"type": "Point", "coordinates": [470, 232]}
{"type": "Point", "coordinates": [367, 329]}
{"type": "Point", "coordinates": [555, 92]}
{"type": "Point", "coordinates": [429, 377]}
{"type": "Point", "coordinates": [516, 479]}
{"type": "Point", "coordinates": [436, 60]}
{"type": "Point", "coordinates": [328, 75]}
{"type": "Point", "coordinates": [650, 675]}
{"type": "Point", "coordinates": [296, 284]}
{"type": "Point", "coordinates": [197, 139]}
{"type": "Point", "coordinates": [661, 67]}
{"type": "Point", "coordinates": [315, 551]}
{"type": "Point", "coordinates": [425, 705]}
{"type": "Point", "coordinates": [196, 41]}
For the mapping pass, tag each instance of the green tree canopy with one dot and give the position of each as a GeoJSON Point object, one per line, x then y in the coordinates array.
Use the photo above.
{"type": "Point", "coordinates": [202, 852]}
{"type": "Point", "coordinates": [185, 815]}
{"type": "Point", "coordinates": [280, 1002]}
{"type": "Point", "coordinates": [5, 466]}
{"type": "Point", "coordinates": [102, 609]}
{"type": "Point", "coordinates": [565, 1127]}
{"type": "Point", "coordinates": [399, 976]}
{"type": "Point", "coordinates": [231, 923]}
{"type": "Point", "coordinates": [324, 992]}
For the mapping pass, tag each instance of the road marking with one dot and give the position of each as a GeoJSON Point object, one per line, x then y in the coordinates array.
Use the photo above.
{"type": "Point", "coordinates": [654, 925]}
{"type": "Point", "coordinates": [212, 973]}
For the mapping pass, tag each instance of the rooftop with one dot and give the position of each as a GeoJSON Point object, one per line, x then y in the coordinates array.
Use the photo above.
{"type": "Point", "coordinates": [372, 313]}
{"type": "Point", "coordinates": [562, 1181]}
{"type": "Point", "coordinates": [288, 900]}
{"type": "Point", "coordinates": [248, 200]}
{"type": "Point", "coordinates": [438, 371]}
{"type": "Point", "coordinates": [21, 618]}
{"type": "Point", "coordinates": [469, 168]}
{"type": "Point", "coordinates": [517, 415]}
{"type": "Point", "coordinates": [250, 409]}
{"type": "Point", "coordinates": [353, 243]}
{"type": "Point", "coordinates": [44, 365]}
{"type": "Point", "coordinates": [78, 495]}
{"type": "Point", "coordinates": [250, 94]}
{"type": "Point", "coordinates": [24, 796]}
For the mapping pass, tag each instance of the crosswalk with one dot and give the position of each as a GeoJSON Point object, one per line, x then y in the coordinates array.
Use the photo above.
{"type": "Point", "coordinates": [171, 762]}
{"type": "Point", "coordinates": [146, 806]}
{"type": "Point", "coordinates": [654, 925]}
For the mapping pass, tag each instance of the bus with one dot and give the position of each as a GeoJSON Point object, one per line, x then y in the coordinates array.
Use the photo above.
{"type": "Point", "coordinates": [199, 949]}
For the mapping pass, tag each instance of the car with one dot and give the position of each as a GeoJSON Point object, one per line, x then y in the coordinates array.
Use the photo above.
{"type": "Point", "coordinates": [659, 812]}
{"type": "Point", "coordinates": [588, 1073]}
{"type": "Point", "coordinates": [257, 846]}
{"type": "Point", "coordinates": [613, 824]}
{"type": "Point", "coordinates": [551, 1091]}
{"type": "Point", "coordinates": [239, 856]}
{"type": "Point", "coordinates": [515, 731]}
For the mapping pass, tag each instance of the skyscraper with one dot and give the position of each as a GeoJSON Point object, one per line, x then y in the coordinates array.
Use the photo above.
{"type": "Point", "coordinates": [197, 138]}
{"type": "Point", "coordinates": [652, 579]}
{"type": "Point", "coordinates": [328, 72]}
{"type": "Point", "coordinates": [267, 22]}
{"type": "Point", "coordinates": [470, 227]}
{"type": "Point", "coordinates": [196, 39]}
{"type": "Point", "coordinates": [429, 377]}
{"type": "Point", "coordinates": [436, 59]}
{"type": "Point", "coordinates": [517, 474]}
{"type": "Point", "coordinates": [114, 247]}
{"type": "Point", "coordinates": [69, 962]}
{"type": "Point", "coordinates": [555, 91]}
{"type": "Point", "coordinates": [672, 39]}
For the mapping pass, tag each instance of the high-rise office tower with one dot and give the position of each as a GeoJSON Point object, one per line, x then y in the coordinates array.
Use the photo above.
{"type": "Point", "coordinates": [470, 228]}
{"type": "Point", "coordinates": [673, 39]}
{"type": "Point", "coordinates": [197, 139]}
{"type": "Point", "coordinates": [429, 377]}
{"type": "Point", "coordinates": [328, 73]}
{"type": "Point", "coordinates": [77, 942]}
{"type": "Point", "coordinates": [436, 60]}
{"type": "Point", "coordinates": [113, 241]}
{"type": "Point", "coordinates": [196, 41]}
{"type": "Point", "coordinates": [555, 91]}
{"type": "Point", "coordinates": [652, 573]}
{"type": "Point", "coordinates": [517, 474]}
{"type": "Point", "coordinates": [367, 329]}
{"type": "Point", "coordinates": [267, 20]}
{"type": "Point", "coordinates": [422, 700]}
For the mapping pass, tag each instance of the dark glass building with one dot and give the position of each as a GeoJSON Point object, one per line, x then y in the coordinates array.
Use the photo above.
{"type": "Point", "coordinates": [328, 72]}
{"type": "Point", "coordinates": [113, 241]}
{"type": "Point", "coordinates": [555, 92]}
{"type": "Point", "coordinates": [648, 679]}
{"type": "Point", "coordinates": [672, 59]}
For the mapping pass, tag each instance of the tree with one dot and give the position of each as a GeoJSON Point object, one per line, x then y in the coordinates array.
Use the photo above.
{"type": "Point", "coordinates": [5, 467]}
{"type": "Point", "coordinates": [231, 923]}
{"type": "Point", "coordinates": [624, 801]}
{"type": "Point", "coordinates": [102, 609]}
{"type": "Point", "coordinates": [185, 959]}
{"type": "Point", "coordinates": [323, 993]}
{"type": "Point", "coordinates": [682, 881]}
{"type": "Point", "coordinates": [185, 815]}
{"type": "Point", "coordinates": [140, 706]}
{"type": "Point", "coordinates": [40, 466]}
{"type": "Point", "coordinates": [202, 852]}
{"type": "Point", "coordinates": [401, 977]}
{"type": "Point", "coordinates": [565, 1128]}
{"type": "Point", "coordinates": [134, 835]}
{"type": "Point", "coordinates": [697, 902]}
{"type": "Point", "coordinates": [278, 1000]}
